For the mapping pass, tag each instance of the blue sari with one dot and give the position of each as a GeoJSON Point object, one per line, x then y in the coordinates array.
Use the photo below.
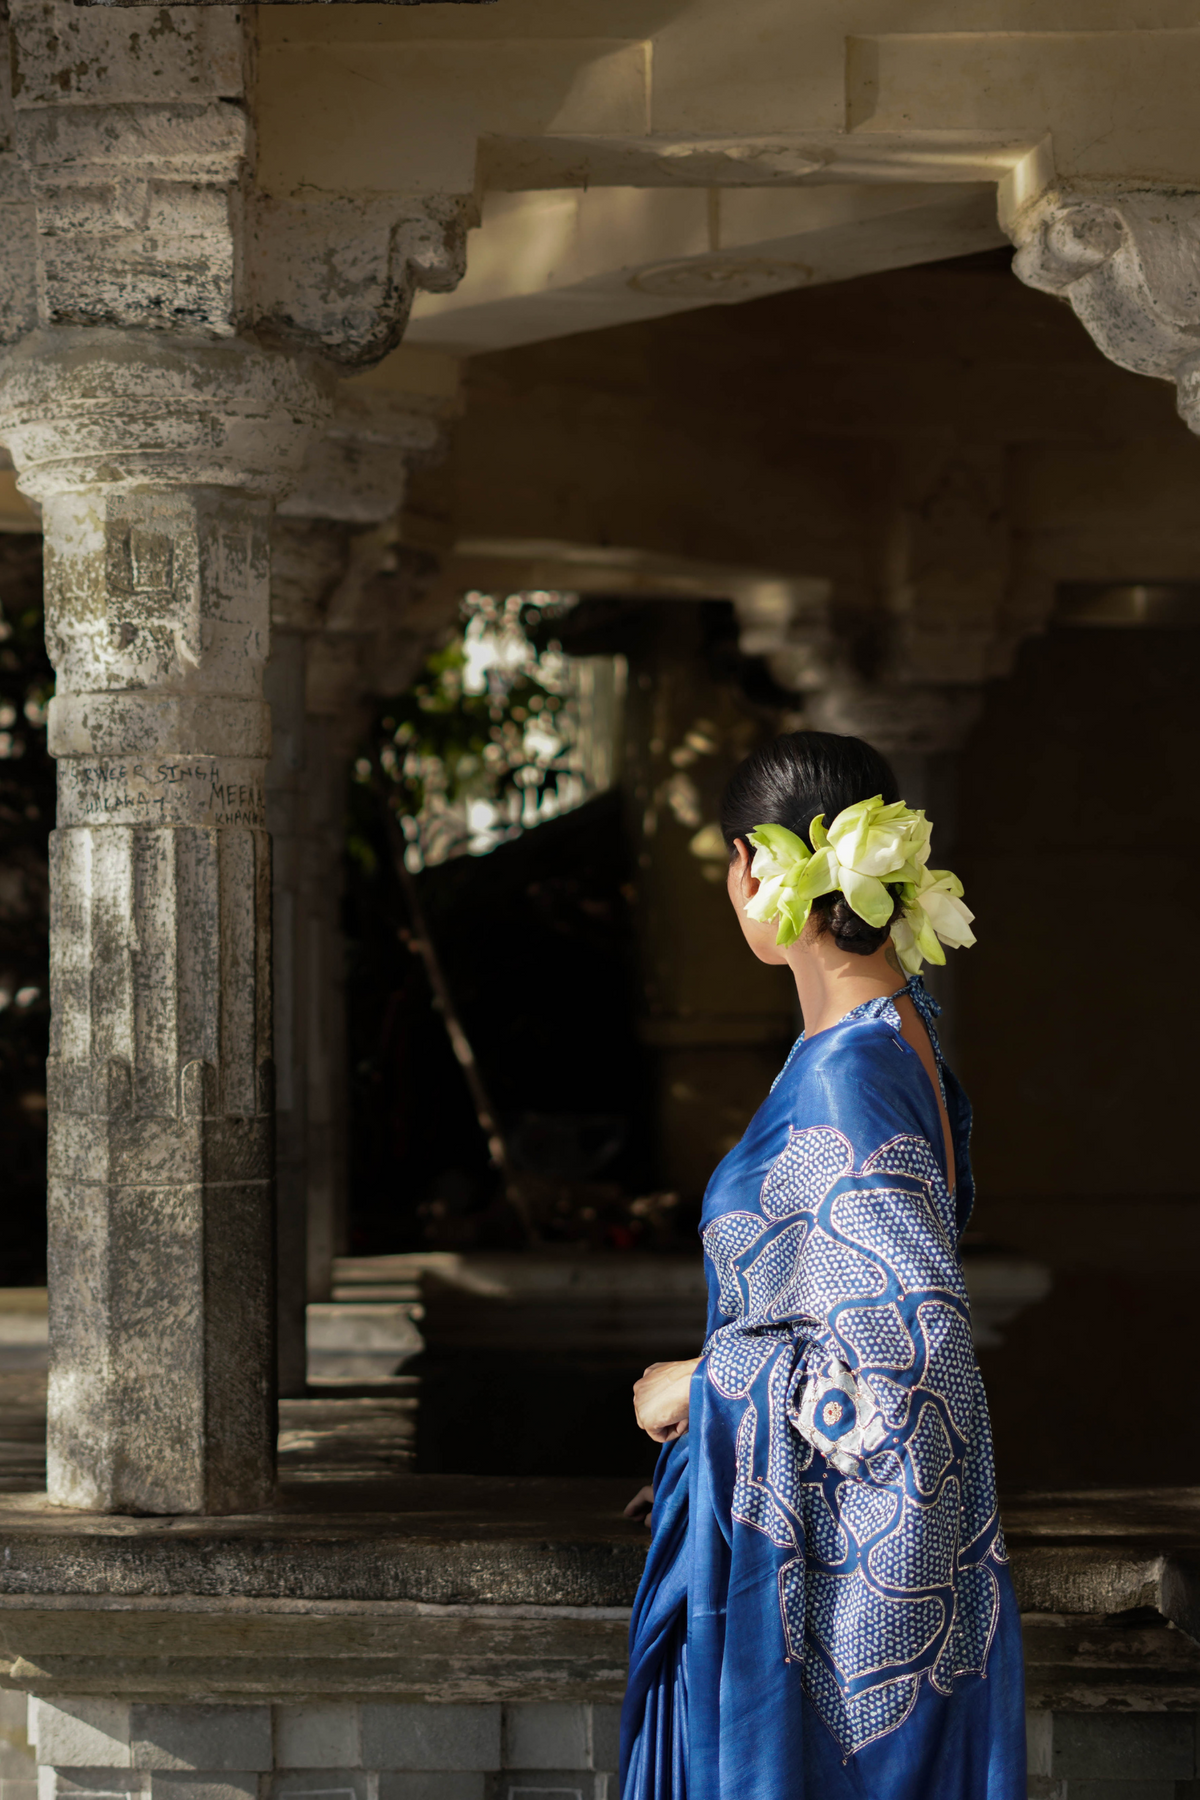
{"type": "Point", "coordinates": [826, 1611]}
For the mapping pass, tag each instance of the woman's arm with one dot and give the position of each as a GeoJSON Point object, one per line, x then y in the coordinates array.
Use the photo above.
{"type": "Point", "coordinates": [660, 1399]}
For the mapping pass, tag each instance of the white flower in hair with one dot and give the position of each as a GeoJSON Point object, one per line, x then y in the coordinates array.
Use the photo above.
{"type": "Point", "coordinates": [875, 855]}
{"type": "Point", "coordinates": [933, 910]}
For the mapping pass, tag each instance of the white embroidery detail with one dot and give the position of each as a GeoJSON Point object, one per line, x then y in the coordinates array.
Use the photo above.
{"type": "Point", "coordinates": [864, 1632]}
{"type": "Point", "coordinates": [724, 1240]}
{"type": "Point", "coordinates": [876, 1336]}
{"type": "Point", "coordinates": [800, 1179]}
{"type": "Point", "coordinates": [863, 1448]}
{"type": "Point", "coordinates": [735, 1361]}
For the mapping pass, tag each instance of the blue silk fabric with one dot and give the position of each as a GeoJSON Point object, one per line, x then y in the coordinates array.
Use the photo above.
{"type": "Point", "coordinates": [826, 1611]}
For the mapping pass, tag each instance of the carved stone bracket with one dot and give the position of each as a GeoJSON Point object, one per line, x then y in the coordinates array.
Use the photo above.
{"type": "Point", "coordinates": [1128, 264]}
{"type": "Point", "coordinates": [128, 199]}
{"type": "Point", "coordinates": [340, 275]}
{"type": "Point", "coordinates": [901, 657]}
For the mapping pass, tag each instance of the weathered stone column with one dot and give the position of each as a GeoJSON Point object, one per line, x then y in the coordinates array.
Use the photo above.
{"type": "Point", "coordinates": [902, 663]}
{"type": "Point", "coordinates": [142, 270]}
{"type": "Point", "coordinates": [335, 598]}
{"type": "Point", "coordinates": [305, 566]}
{"type": "Point", "coordinates": [155, 463]}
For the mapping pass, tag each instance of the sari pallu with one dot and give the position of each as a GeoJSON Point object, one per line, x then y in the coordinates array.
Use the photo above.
{"type": "Point", "coordinates": [837, 1571]}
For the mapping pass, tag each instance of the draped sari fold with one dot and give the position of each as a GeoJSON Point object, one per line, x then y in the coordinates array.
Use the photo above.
{"type": "Point", "coordinates": [826, 1609]}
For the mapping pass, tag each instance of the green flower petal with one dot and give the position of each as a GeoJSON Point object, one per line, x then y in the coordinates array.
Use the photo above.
{"type": "Point", "coordinates": [793, 917]}
{"type": "Point", "coordinates": [906, 947]}
{"type": "Point", "coordinates": [949, 918]}
{"type": "Point", "coordinates": [874, 839]}
{"type": "Point", "coordinates": [926, 936]}
{"type": "Point", "coordinates": [764, 905]}
{"type": "Point", "coordinates": [849, 831]}
{"type": "Point", "coordinates": [943, 878]}
{"type": "Point", "coordinates": [780, 843]}
{"type": "Point", "coordinates": [869, 898]}
{"type": "Point", "coordinates": [821, 875]}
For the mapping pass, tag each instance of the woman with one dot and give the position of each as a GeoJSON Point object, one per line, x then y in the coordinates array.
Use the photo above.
{"type": "Point", "coordinates": [827, 1612]}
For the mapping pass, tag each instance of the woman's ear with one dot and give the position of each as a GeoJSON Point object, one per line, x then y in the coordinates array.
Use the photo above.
{"type": "Point", "coordinates": [742, 886]}
{"type": "Point", "coordinates": [741, 883]}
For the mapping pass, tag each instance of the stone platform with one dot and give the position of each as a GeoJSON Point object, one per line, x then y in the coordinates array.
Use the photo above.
{"type": "Point", "coordinates": [381, 1635]}
{"type": "Point", "coordinates": [454, 1588]}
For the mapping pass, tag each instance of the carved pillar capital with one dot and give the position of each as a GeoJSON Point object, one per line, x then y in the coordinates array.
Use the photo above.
{"type": "Point", "coordinates": [340, 570]}
{"type": "Point", "coordinates": [357, 469]}
{"type": "Point", "coordinates": [1128, 263]}
{"type": "Point", "coordinates": [901, 658]}
{"type": "Point", "coordinates": [123, 409]}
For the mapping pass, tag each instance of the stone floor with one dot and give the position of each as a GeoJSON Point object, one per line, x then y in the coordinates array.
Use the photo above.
{"type": "Point", "coordinates": [361, 1439]}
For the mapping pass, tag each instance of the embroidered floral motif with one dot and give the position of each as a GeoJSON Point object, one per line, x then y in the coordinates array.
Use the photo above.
{"type": "Point", "coordinates": [849, 1336]}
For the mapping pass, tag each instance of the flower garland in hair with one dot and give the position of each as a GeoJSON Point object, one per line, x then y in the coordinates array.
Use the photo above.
{"type": "Point", "coordinates": [874, 855]}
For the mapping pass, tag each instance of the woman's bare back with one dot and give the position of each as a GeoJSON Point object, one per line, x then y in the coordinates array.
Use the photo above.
{"type": "Point", "coordinates": [913, 1028]}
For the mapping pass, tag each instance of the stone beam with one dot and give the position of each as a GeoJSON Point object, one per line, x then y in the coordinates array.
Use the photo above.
{"type": "Point", "coordinates": [126, 3]}
{"type": "Point", "coordinates": [547, 264]}
{"type": "Point", "coordinates": [693, 95]}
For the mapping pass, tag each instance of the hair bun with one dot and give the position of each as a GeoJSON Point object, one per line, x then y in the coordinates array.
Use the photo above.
{"type": "Point", "coordinates": [853, 934]}
{"type": "Point", "coordinates": [790, 781]}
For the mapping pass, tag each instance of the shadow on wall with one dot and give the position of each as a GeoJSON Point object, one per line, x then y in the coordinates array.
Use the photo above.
{"type": "Point", "coordinates": [1077, 1046]}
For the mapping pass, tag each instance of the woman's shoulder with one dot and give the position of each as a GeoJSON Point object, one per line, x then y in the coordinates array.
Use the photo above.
{"type": "Point", "coordinates": [860, 1069]}
{"type": "Point", "coordinates": [854, 1044]}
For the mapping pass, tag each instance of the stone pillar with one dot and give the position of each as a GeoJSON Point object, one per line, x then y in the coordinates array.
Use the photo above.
{"type": "Point", "coordinates": [305, 567]}
{"type": "Point", "coordinates": [155, 466]}
{"type": "Point", "coordinates": [335, 599]}
{"type": "Point", "coordinates": [139, 262]}
{"type": "Point", "coordinates": [903, 662]}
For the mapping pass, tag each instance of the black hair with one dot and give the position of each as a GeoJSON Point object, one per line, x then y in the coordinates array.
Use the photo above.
{"type": "Point", "coordinates": [794, 780]}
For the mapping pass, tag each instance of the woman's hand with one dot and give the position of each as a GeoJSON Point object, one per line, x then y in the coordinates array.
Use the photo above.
{"type": "Point", "coordinates": [660, 1399]}
{"type": "Point", "coordinates": [640, 1506]}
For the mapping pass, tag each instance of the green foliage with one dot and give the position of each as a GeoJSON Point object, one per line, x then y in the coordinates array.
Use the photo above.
{"type": "Point", "coordinates": [479, 746]}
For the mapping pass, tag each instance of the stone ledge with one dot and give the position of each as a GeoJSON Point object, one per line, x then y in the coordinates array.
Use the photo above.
{"type": "Point", "coordinates": [189, 1648]}
{"type": "Point", "coordinates": [445, 1540]}
{"type": "Point", "coordinates": [471, 1589]}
